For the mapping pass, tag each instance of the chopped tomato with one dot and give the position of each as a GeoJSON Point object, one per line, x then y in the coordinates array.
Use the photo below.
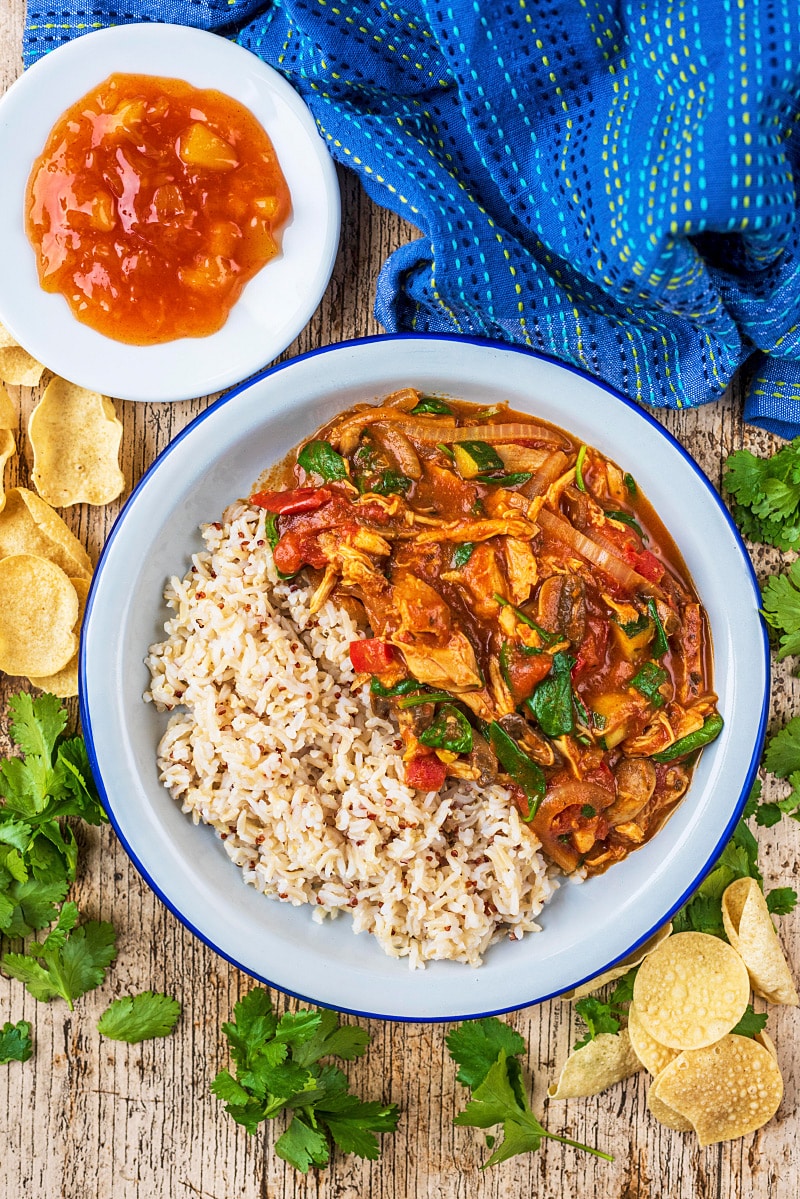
{"type": "Point", "coordinates": [645, 564]}
{"type": "Point", "coordinates": [371, 655]}
{"type": "Point", "coordinates": [524, 671]}
{"type": "Point", "coordinates": [592, 651]}
{"type": "Point", "coordinates": [298, 549]}
{"type": "Point", "coordinates": [426, 773]}
{"type": "Point", "coordinates": [301, 499]}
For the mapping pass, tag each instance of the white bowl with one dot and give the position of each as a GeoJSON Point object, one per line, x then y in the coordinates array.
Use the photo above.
{"type": "Point", "coordinates": [585, 927]}
{"type": "Point", "coordinates": [274, 306]}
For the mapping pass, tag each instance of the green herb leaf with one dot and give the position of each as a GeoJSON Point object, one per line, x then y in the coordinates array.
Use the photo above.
{"type": "Point", "coordinates": [598, 1018]}
{"type": "Point", "coordinates": [781, 610]}
{"type": "Point", "coordinates": [391, 482]}
{"type": "Point", "coordinates": [551, 702]}
{"type": "Point", "coordinates": [767, 495]}
{"type": "Point", "coordinates": [140, 1017]}
{"type": "Point", "coordinates": [630, 483]}
{"type": "Point", "coordinates": [475, 1045]}
{"type": "Point", "coordinates": [278, 1067]}
{"type": "Point", "coordinates": [782, 755]}
{"type": "Point", "coordinates": [526, 773]}
{"type": "Point", "coordinates": [625, 518]}
{"type": "Point", "coordinates": [450, 730]}
{"type": "Point", "coordinates": [15, 1042]}
{"type": "Point", "coordinates": [487, 1053]}
{"type": "Point", "coordinates": [752, 1022]}
{"type": "Point", "coordinates": [660, 642]}
{"type": "Point", "coordinates": [781, 900]}
{"type": "Point", "coordinates": [462, 554]}
{"type": "Point", "coordinates": [320, 458]}
{"type": "Point", "coordinates": [431, 406]}
{"type": "Point", "coordinates": [648, 681]}
{"type": "Point", "coordinates": [404, 687]}
{"type": "Point", "coordinates": [75, 958]}
{"type": "Point", "coordinates": [513, 479]}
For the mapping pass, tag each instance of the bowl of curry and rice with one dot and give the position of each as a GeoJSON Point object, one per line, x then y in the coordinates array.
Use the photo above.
{"type": "Point", "coordinates": [424, 677]}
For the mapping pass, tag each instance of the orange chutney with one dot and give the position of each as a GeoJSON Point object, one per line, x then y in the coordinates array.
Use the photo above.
{"type": "Point", "coordinates": [152, 205]}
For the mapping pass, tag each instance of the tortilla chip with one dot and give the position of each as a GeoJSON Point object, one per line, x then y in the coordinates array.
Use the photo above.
{"type": "Point", "coordinates": [766, 1040]}
{"type": "Point", "coordinates": [749, 928]}
{"type": "Point", "coordinates": [75, 436]}
{"type": "Point", "coordinates": [628, 963]}
{"type": "Point", "coordinates": [726, 1090]}
{"type": "Point", "coordinates": [651, 1053]}
{"type": "Point", "coordinates": [607, 1059]}
{"type": "Point", "coordinates": [8, 413]}
{"type": "Point", "coordinates": [16, 365]}
{"type": "Point", "coordinates": [64, 683]}
{"type": "Point", "coordinates": [667, 1115]}
{"type": "Point", "coordinates": [691, 991]}
{"type": "Point", "coordinates": [38, 613]}
{"type": "Point", "coordinates": [30, 526]}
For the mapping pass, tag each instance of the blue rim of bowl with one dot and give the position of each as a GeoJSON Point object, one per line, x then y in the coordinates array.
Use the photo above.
{"type": "Point", "coordinates": [85, 714]}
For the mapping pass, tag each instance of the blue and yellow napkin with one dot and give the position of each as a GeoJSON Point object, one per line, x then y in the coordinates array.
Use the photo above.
{"type": "Point", "coordinates": [612, 183]}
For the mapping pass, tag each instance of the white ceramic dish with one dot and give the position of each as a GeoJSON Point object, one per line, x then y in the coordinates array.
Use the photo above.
{"type": "Point", "coordinates": [274, 306]}
{"type": "Point", "coordinates": [218, 458]}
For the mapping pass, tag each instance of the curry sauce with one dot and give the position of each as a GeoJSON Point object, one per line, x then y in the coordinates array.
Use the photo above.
{"type": "Point", "coordinates": [529, 619]}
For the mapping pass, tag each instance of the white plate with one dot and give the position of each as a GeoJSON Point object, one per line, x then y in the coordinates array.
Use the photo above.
{"type": "Point", "coordinates": [218, 458]}
{"type": "Point", "coordinates": [274, 306]}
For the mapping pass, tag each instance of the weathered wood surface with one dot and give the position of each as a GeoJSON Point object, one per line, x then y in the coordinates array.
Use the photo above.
{"type": "Point", "coordinates": [92, 1119]}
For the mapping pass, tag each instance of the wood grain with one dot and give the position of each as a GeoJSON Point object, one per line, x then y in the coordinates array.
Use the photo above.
{"type": "Point", "coordinates": [93, 1119]}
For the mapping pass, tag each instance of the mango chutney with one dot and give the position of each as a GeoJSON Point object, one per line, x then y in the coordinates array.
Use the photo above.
{"type": "Point", "coordinates": [152, 205]}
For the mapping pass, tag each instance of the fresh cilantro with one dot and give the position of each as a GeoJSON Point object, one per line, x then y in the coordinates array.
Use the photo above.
{"type": "Point", "coordinates": [752, 1022]}
{"type": "Point", "coordinates": [597, 1017]}
{"type": "Point", "coordinates": [277, 1061]}
{"type": "Point", "coordinates": [753, 800]}
{"type": "Point", "coordinates": [487, 1053]}
{"type": "Point", "coordinates": [50, 781]}
{"type": "Point", "coordinates": [15, 1042]}
{"type": "Point", "coordinates": [781, 599]}
{"type": "Point", "coordinates": [703, 912]}
{"type": "Point", "coordinates": [766, 495]}
{"type": "Point", "coordinates": [782, 755]}
{"type": "Point", "coordinates": [140, 1017]}
{"type": "Point", "coordinates": [604, 1016]}
{"type": "Point", "coordinates": [75, 958]}
{"type": "Point", "coordinates": [781, 900]}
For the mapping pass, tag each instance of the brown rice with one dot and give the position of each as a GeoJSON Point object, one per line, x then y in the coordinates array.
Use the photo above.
{"type": "Point", "coordinates": [269, 744]}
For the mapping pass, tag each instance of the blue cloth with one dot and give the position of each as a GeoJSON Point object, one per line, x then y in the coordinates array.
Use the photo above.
{"type": "Point", "coordinates": [613, 183]}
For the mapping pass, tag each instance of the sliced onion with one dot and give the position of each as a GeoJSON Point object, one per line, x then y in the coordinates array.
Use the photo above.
{"type": "Point", "coordinates": [600, 557]}
{"type": "Point", "coordinates": [395, 443]}
{"type": "Point", "coordinates": [547, 473]}
{"type": "Point", "coordinates": [445, 431]}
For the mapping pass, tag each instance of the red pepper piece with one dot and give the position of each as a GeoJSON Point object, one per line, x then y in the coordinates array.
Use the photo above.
{"type": "Point", "coordinates": [371, 655]}
{"type": "Point", "coordinates": [645, 564]}
{"type": "Point", "coordinates": [426, 773]}
{"type": "Point", "coordinates": [301, 499]}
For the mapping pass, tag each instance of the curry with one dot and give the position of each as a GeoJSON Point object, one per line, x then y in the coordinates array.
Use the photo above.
{"type": "Point", "coordinates": [530, 621]}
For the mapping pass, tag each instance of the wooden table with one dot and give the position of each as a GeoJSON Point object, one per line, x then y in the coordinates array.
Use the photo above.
{"type": "Point", "coordinates": [87, 1118]}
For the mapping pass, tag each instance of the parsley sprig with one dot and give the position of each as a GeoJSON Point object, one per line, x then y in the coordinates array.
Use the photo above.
{"type": "Point", "coordinates": [766, 495]}
{"type": "Point", "coordinates": [607, 1015]}
{"type": "Point", "coordinates": [49, 782]}
{"type": "Point", "coordinates": [278, 1067]}
{"type": "Point", "coordinates": [135, 1018]}
{"type": "Point", "coordinates": [487, 1053]}
{"type": "Point", "coordinates": [70, 961]}
{"type": "Point", "coordinates": [15, 1042]}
